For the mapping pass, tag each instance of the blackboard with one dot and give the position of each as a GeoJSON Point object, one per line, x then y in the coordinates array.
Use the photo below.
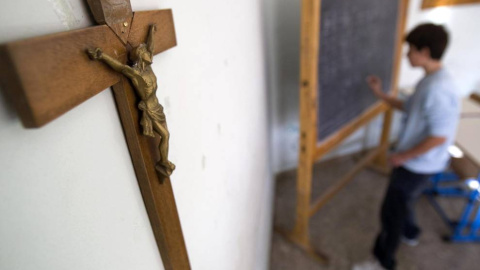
{"type": "Point", "coordinates": [357, 38]}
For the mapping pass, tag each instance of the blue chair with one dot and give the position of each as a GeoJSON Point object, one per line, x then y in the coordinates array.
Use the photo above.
{"type": "Point", "coordinates": [448, 184]}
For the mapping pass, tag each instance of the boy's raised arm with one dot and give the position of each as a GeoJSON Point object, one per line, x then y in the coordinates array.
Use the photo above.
{"type": "Point", "coordinates": [375, 84]}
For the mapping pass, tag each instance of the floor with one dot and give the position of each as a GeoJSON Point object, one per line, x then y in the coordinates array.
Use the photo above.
{"type": "Point", "coordinates": [345, 228]}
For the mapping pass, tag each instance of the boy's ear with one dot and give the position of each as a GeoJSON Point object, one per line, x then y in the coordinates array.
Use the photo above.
{"type": "Point", "coordinates": [426, 52]}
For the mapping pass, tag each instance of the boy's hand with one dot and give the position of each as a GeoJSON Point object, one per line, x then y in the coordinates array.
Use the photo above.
{"type": "Point", "coordinates": [375, 83]}
{"type": "Point", "coordinates": [398, 159]}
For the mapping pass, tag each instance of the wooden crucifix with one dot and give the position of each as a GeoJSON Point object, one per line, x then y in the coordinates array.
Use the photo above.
{"type": "Point", "coordinates": [45, 77]}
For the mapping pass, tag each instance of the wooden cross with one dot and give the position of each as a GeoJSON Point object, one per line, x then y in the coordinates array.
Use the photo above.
{"type": "Point", "coordinates": [45, 77]}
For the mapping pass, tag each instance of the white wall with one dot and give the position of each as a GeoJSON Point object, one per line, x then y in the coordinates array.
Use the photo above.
{"type": "Point", "coordinates": [69, 194]}
{"type": "Point", "coordinates": [215, 84]}
{"type": "Point", "coordinates": [462, 59]}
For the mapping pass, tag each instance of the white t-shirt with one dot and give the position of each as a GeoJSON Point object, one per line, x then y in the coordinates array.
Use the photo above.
{"type": "Point", "coordinates": [433, 110]}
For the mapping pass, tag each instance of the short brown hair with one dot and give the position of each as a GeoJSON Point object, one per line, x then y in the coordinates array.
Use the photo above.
{"type": "Point", "coordinates": [431, 36]}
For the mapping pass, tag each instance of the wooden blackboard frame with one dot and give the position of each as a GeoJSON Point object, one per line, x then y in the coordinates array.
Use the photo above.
{"type": "Point", "coordinates": [437, 3]}
{"type": "Point", "coordinates": [309, 149]}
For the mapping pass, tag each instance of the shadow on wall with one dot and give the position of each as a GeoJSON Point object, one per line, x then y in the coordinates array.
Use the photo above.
{"type": "Point", "coordinates": [7, 111]}
{"type": "Point", "coordinates": [288, 59]}
{"type": "Point", "coordinates": [282, 28]}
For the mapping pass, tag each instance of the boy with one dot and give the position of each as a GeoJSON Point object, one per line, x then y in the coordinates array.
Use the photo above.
{"type": "Point", "coordinates": [429, 128]}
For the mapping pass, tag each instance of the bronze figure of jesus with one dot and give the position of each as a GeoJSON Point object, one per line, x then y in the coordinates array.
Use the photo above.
{"type": "Point", "coordinates": [145, 83]}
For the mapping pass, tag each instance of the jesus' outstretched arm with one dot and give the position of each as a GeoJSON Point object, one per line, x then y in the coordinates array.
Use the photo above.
{"type": "Point", "coordinates": [97, 54]}
{"type": "Point", "coordinates": [150, 44]}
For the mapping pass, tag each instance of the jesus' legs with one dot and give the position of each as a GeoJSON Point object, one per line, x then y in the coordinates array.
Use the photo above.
{"type": "Point", "coordinates": [163, 148]}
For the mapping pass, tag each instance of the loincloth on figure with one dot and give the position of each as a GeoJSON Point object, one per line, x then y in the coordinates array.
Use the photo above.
{"type": "Point", "coordinates": [149, 116]}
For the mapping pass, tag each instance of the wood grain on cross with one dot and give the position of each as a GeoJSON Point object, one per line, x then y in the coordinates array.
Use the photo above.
{"type": "Point", "coordinates": [47, 76]}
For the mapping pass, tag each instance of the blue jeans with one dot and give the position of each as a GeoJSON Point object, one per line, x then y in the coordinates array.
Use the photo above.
{"type": "Point", "coordinates": [397, 213]}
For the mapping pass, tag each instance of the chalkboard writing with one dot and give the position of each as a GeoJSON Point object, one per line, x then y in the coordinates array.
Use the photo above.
{"type": "Point", "coordinates": [357, 38]}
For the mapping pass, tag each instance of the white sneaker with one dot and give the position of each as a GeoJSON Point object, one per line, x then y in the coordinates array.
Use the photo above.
{"type": "Point", "coordinates": [368, 265]}
{"type": "Point", "coordinates": [410, 242]}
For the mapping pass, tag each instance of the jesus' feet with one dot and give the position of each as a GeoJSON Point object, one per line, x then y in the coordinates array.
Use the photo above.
{"type": "Point", "coordinates": [165, 169]}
